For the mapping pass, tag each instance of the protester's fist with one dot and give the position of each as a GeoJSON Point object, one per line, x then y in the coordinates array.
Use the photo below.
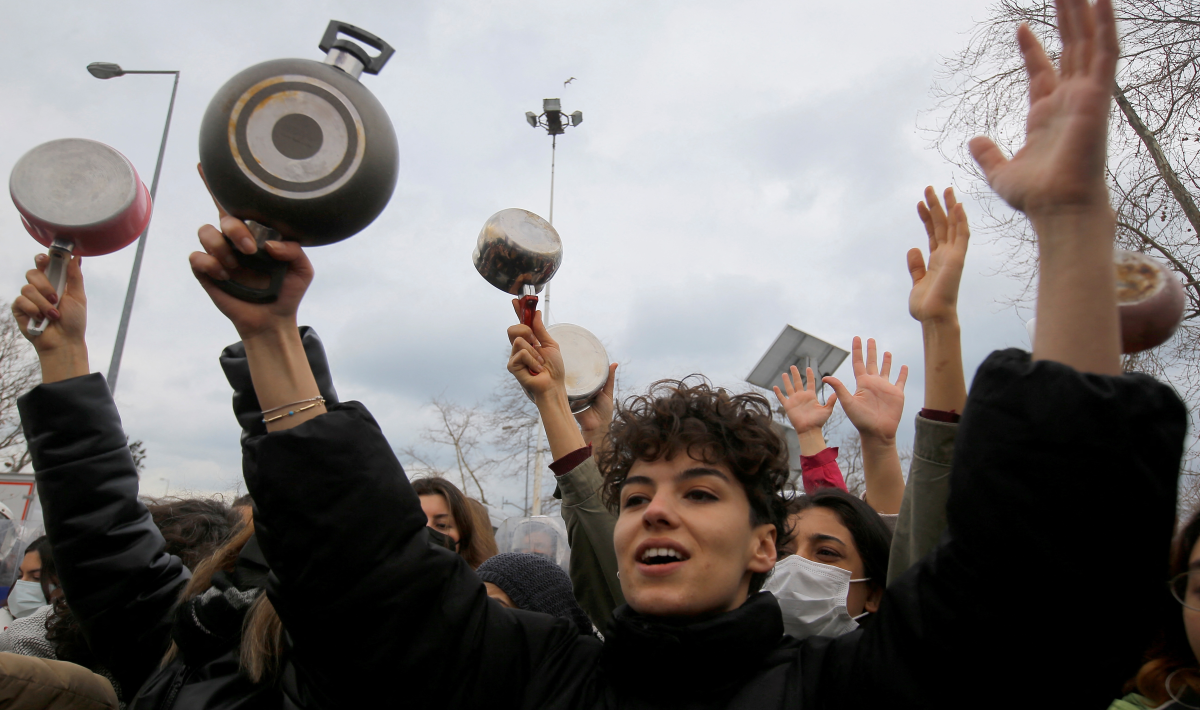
{"type": "Point", "coordinates": [877, 405]}
{"type": "Point", "coordinates": [218, 263]}
{"type": "Point", "coordinates": [536, 360]}
{"type": "Point", "coordinates": [801, 405]}
{"type": "Point", "coordinates": [934, 296]}
{"type": "Point", "coordinates": [68, 315]}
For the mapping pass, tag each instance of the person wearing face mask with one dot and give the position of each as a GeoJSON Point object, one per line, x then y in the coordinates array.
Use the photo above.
{"type": "Point", "coordinates": [37, 583]}
{"type": "Point", "coordinates": [831, 578]}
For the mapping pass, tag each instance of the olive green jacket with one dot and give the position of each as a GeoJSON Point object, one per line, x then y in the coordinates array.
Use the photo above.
{"type": "Point", "coordinates": [923, 509]}
{"type": "Point", "coordinates": [590, 533]}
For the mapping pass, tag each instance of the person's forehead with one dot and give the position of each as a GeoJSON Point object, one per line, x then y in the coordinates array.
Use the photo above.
{"type": "Point", "coordinates": [664, 469]}
{"type": "Point", "coordinates": [434, 501]}
{"type": "Point", "coordinates": [821, 521]}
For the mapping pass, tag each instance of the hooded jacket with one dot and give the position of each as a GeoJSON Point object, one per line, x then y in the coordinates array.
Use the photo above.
{"type": "Point", "coordinates": [998, 607]}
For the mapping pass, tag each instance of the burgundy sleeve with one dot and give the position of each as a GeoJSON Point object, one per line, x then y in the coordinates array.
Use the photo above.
{"type": "Point", "coordinates": [821, 470]}
{"type": "Point", "coordinates": [569, 462]}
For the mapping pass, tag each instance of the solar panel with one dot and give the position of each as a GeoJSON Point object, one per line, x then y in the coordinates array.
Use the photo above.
{"type": "Point", "coordinates": [795, 347]}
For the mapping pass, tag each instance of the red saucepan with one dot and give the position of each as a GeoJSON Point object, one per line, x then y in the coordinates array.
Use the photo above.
{"type": "Point", "coordinates": [77, 196]}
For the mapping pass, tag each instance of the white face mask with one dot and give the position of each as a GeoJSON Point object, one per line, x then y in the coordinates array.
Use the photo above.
{"type": "Point", "coordinates": [812, 597]}
{"type": "Point", "coordinates": [25, 598]}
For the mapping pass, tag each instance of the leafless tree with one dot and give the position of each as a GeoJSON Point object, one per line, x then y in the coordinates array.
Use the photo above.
{"type": "Point", "coordinates": [19, 373]}
{"type": "Point", "coordinates": [464, 432]}
{"type": "Point", "coordinates": [1154, 143]}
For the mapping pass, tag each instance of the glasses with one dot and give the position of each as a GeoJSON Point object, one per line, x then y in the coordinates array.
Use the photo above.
{"type": "Point", "coordinates": [1185, 588]}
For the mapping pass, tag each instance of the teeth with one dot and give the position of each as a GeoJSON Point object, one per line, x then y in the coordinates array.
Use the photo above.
{"type": "Point", "coordinates": [660, 552]}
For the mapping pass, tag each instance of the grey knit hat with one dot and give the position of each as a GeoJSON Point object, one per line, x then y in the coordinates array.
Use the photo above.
{"type": "Point", "coordinates": [535, 583]}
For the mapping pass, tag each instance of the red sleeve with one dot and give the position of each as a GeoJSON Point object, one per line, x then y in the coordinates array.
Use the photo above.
{"type": "Point", "coordinates": [821, 470]}
{"type": "Point", "coordinates": [572, 460]}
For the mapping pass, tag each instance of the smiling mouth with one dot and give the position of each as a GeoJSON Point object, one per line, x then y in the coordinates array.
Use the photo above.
{"type": "Point", "coordinates": [661, 556]}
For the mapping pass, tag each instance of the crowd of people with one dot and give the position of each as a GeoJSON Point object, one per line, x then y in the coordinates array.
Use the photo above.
{"type": "Point", "coordinates": [687, 571]}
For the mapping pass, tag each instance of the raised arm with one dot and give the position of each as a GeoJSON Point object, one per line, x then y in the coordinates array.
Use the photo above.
{"type": "Point", "coordinates": [338, 520]}
{"type": "Point", "coordinates": [1042, 445]}
{"type": "Point", "coordinates": [875, 409]}
{"type": "Point", "coordinates": [121, 585]}
{"type": "Point", "coordinates": [933, 302]}
{"type": "Point", "coordinates": [1057, 180]}
{"type": "Point", "coordinates": [589, 522]}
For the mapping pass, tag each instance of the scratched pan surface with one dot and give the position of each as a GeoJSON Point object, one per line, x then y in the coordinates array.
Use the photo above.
{"type": "Point", "coordinates": [80, 190]}
{"type": "Point", "coordinates": [586, 361]}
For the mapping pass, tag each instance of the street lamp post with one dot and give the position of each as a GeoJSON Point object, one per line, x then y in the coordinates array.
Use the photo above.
{"type": "Point", "coordinates": [551, 118]}
{"type": "Point", "coordinates": [108, 70]}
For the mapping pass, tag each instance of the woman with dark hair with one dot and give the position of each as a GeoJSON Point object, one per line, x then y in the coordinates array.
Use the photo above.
{"type": "Point", "coordinates": [449, 513]}
{"type": "Point", "coordinates": [1170, 677]}
{"type": "Point", "coordinates": [833, 570]}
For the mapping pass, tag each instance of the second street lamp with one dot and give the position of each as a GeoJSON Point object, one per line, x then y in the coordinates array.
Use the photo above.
{"type": "Point", "coordinates": [108, 70]}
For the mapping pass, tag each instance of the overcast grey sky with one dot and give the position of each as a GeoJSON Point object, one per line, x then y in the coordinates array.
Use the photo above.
{"type": "Point", "coordinates": [741, 166]}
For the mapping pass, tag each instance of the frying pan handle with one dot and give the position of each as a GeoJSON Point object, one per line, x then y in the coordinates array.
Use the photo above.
{"type": "Point", "coordinates": [261, 262]}
{"type": "Point", "coordinates": [371, 65]}
{"type": "Point", "coordinates": [528, 308]}
{"type": "Point", "coordinates": [60, 256]}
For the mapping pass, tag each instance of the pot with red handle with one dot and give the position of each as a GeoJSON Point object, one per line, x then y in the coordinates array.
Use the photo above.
{"type": "Point", "coordinates": [518, 252]}
{"type": "Point", "coordinates": [78, 196]}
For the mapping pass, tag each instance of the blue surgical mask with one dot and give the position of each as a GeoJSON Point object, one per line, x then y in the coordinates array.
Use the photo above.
{"type": "Point", "coordinates": [25, 598]}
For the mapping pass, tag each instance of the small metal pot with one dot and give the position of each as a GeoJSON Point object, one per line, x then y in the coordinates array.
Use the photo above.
{"type": "Point", "coordinates": [518, 252]}
{"type": "Point", "coordinates": [586, 361]}
{"type": "Point", "coordinates": [78, 196]}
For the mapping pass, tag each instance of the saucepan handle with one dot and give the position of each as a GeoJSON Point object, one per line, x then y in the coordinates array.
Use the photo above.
{"type": "Point", "coordinates": [372, 64]}
{"type": "Point", "coordinates": [60, 256]}
{"type": "Point", "coordinates": [529, 304]}
{"type": "Point", "coordinates": [261, 262]}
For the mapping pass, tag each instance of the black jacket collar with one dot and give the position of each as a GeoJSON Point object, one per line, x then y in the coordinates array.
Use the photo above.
{"type": "Point", "coordinates": [656, 656]}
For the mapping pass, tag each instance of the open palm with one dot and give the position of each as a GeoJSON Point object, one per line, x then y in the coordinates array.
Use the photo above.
{"type": "Point", "coordinates": [934, 295]}
{"type": "Point", "coordinates": [877, 405]}
{"type": "Point", "coordinates": [1061, 164]}
{"type": "Point", "coordinates": [800, 404]}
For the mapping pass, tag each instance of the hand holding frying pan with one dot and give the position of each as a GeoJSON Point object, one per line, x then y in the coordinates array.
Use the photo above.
{"type": "Point", "coordinates": [67, 313]}
{"type": "Point", "coordinates": [221, 261]}
{"type": "Point", "coordinates": [77, 197]}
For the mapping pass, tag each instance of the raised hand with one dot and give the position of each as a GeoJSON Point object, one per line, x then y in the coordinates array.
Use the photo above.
{"type": "Point", "coordinates": [537, 363]}
{"type": "Point", "coordinates": [61, 347]}
{"type": "Point", "coordinates": [801, 405]}
{"type": "Point", "coordinates": [595, 420]}
{"type": "Point", "coordinates": [934, 296]}
{"type": "Point", "coordinates": [536, 360]}
{"type": "Point", "coordinates": [876, 405]}
{"type": "Point", "coordinates": [218, 263]}
{"type": "Point", "coordinates": [1061, 165]}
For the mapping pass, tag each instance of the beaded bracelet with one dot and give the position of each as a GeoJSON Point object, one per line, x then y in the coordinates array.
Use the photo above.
{"type": "Point", "coordinates": [318, 399]}
{"type": "Point", "coordinates": [291, 413]}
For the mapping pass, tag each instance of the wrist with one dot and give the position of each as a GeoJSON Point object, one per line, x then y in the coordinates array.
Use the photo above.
{"type": "Point", "coordinates": [877, 442]}
{"type": "Point", "coordinates": [812, 442]}
{"type": "Point", "coordinates": [63, 362]}
{"type": "Point", "coordinates": [946, 323]}
{"type": "Point", "coordinates": [274, 331]}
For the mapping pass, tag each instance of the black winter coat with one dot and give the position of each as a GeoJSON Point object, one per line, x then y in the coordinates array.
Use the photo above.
{"type": "Point", "coordinates": [1013, 606]}
{"type": "Point", "coordinates": [119, 582]}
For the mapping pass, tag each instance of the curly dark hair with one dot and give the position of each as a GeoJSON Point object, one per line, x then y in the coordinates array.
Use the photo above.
{"type": "Point", "coordinates": [690, 416]}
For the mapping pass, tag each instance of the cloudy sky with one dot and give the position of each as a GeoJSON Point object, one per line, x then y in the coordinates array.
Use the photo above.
{"type": "Point", "coordinates": [741, 166]}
